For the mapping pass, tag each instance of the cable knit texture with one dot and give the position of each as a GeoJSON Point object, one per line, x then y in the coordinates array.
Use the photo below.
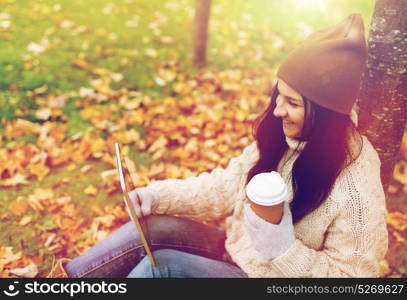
{"type": "Point", "coordinates": [270, 240]}
{"type": "Point", "coordinates": [344, 237]}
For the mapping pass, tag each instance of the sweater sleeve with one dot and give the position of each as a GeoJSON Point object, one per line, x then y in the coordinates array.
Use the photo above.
{"type": "Point", "coordinates": [270, 240]}
{"type": "Point", "coordinates": [354, 244]}
{"type": "Point", "coordinates": [208, 196]}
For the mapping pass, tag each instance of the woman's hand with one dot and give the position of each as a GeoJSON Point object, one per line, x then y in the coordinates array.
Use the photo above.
{"type": "Point", "coordinates": [146, 201]}
{"type": "Point", "coordinates": [268, 239]}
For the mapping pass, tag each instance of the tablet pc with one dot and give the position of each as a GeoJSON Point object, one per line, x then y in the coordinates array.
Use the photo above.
{"type": "Point", "coordinates": [127, 185]}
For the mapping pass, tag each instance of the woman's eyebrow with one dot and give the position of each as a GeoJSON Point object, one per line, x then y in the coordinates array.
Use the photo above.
{"type": "Point", "coordinates": [289, 97]}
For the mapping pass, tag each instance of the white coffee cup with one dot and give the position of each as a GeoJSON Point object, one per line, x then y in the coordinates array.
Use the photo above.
{"type": "Point", "coordinates": [267, 189]}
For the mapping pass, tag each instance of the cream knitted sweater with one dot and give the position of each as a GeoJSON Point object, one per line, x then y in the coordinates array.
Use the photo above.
{"type": "Point", "coordinates": [345, 237]}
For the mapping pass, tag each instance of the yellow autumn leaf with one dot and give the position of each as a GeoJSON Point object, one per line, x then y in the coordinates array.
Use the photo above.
{"type": "Point", "coordinates": [25, 220]}
{"type": "Point", "coordinates": [43, 113]}
{"type": "Point", "coordinates": [39, 170]}
{"type": "Point", "coordinates": [58, 156]}
{"type": "Point", "coordinates": [18, 128]}
{"type": "Point", "coordinates": [126, 137]}
{"type": "Point", "coordinates": [41, 194]}
{"type": "Point", "coordinates": [156, 169]}
{"type": "Point", "coordinates": [191, 145]}
{"type": "Point", "coordinates": [86, 168]}
{"type": "Point", "coordinates": [152, 53]}
{"type": "Point", "coordinates": [182, 88]}
{"type": "Point", "coordinates": [392, 189]}
{"type": "Point", "coordinates": [87, 113]}
{"type": "Point", "coordinates": [212, 155]}
{"type": "Point", "coordinates": [167, 75]}
{"type": "Point", "coordinates": [19, 206]}
{"type": "Point", "coordinates": [7, 255]}
{"type": "Point", "coordinates": [106, 220]}
{"type": "Point", "coordinates": [210, 143]}
{"type": "Point", "coordinates": [158, 154]}
{"type": "Point", "coordinates": [132, 104]}
{"type": "Point", "coordinates": [399, 237]}
{"type": "Point", "coordinates": [100, 85]}
{"type": "Point", "coordinates": [397, 220]}
{"type": "Point", "coordinates": [240, 116]}
{"type": "Point", "coordinates": [29, 271]}
{"type": "Point", "coordinates": [91, 190]}
{"type": "Point", "coordinates": [15, 180]}
{"type": "Point", "coordinates": [160, 143]}
{"type": "Point", "coordinates": [384, 268]}
{"type": "Point", "coordinates": [136, 117]}
{"type": "Point", "coordinates": [244, 104]}
{"type": "Point", "coordinates": [400, 172]}
{"type": "Point", "coordinates": [172, 171]}
{"type": "Point", "coordinates": [71, 167]}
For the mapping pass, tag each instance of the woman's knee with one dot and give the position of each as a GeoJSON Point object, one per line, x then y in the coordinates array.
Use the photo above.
{"type": "Point", "coordinates": [166, 260]}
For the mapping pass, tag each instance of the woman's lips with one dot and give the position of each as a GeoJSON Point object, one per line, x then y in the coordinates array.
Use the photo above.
{"type": "Point", "coordinates": [287, 123]}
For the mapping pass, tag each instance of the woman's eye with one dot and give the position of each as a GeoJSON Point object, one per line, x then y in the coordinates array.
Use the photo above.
{"type": "Point", "coordinates": [293, 104]}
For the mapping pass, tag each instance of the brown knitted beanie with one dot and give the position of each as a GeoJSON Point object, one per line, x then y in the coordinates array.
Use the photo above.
{"type": "Point", "coordinates": [327, 66]}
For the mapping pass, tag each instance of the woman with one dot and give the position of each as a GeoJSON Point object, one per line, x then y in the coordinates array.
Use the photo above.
{"type": "Point", "coordinates": [335, 222]}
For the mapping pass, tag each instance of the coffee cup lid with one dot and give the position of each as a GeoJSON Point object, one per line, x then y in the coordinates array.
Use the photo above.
{"type": "Point", "coordinates": [267, 189]}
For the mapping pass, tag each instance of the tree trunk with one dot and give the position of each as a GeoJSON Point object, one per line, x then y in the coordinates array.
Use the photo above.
{"type": "Point", "coordinates": [382, 100]}
{"type": "Point", "coordinates": [200, 38]}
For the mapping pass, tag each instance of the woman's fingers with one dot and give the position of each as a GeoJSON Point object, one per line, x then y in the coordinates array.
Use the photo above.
{"type": "Point", "coordinates": [146, 207]}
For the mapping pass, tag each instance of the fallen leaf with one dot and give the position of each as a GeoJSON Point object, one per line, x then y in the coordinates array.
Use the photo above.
{"type": "Point", "coordinates": [152, 53]}
{"type": "Point", "coordinates": [18, 206]}
{"type": "Point", "coordinates": [392, 189]}
{"type": "Point", "coordinates": [42, 194]}
{"type": "Point", "coordinates": [91, 190]}
{"type": "Point", "coordinates": [71, 167]}
{"type": "Point", "coordinates": [397, 220]}
{"type": "Point", "coordinates": [86, 168]}
{"type": "Point", "coordinates": [399, 237]}
{"type": "Point", "coordinates": [384, 268]}
{"type": "Point", "coordinates": [25, 220]}
{"type": "Point", "coordinates": [15, 180]}
{"type": "Point", "coordinates": [29, 271]}
{"type": "Point", "coordinates": [7, 255]}
{"type": "Point", "coordinates": [158, 144]}
{"type": "Point", "coordinates": [39, 170]}
{"type": "Point", "coordinates": [49, 240]}
{"type": "Point", "coordinates": [106, 220]}
{"type": "Point", "coordinates": [43, 113]}
{"type": "Point", "coordinates": [400, 172]}
{"type": "Point", "coordinates": [18, 128]}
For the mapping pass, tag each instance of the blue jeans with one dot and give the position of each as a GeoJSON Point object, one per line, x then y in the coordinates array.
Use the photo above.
{"type": "Point", "coordinates": [192, 249]}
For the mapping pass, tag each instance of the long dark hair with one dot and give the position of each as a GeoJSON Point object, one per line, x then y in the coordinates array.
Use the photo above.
{"type": "Point", "coordinates": [327, 152]}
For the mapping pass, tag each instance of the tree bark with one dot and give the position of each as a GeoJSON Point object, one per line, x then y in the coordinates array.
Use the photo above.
{"type": "Point", "coordinates": [382, 100]}
{"type": "Point", "coordinates": [200, 38]}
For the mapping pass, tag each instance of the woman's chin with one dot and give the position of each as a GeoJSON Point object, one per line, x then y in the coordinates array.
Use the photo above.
{"type": "Point", "coordinates": [289, 133]}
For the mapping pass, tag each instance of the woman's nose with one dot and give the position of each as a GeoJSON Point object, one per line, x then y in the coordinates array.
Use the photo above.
{"type": "Point", "coordinates": [280, 111]}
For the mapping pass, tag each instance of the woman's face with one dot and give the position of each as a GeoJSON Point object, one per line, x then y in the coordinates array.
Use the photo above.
{"type": "Point", "coordinates": [290, 108]}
